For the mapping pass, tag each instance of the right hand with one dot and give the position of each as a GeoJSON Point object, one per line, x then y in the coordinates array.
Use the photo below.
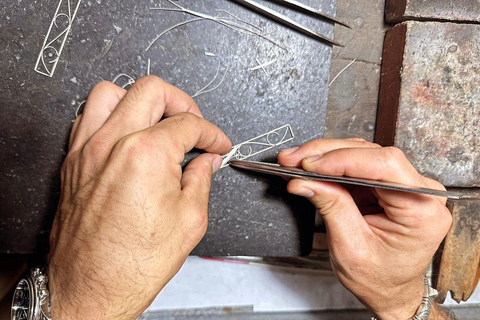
{"type": "Point", "coordinates": [380, 241]}
{"type": "Point", "coordinates": [128, 216]}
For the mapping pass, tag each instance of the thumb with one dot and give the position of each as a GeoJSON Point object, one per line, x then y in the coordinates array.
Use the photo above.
{"type": "Point", "coordinates": [197, 178]}
{"type": "Point", "coordinates": [341, 215]}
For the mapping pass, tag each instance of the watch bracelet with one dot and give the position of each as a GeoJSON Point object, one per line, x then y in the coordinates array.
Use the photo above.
{"type": "Point", "coordinates": [38, 279]}
{"type": "Point", "coordinates": [423, 312]}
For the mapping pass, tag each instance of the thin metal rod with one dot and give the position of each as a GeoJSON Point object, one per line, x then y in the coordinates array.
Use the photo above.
{"type": "Point", "coordinates": [314, 11]}
{"type": "Point", "coordinates": [286, 21]}
{"type": "Point", "coordinates": [297, 173]}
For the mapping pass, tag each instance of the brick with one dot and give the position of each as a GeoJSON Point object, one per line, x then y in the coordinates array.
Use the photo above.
{"type": "Point", "coordinates": [429, 103]}
{"type": "Point", "coordinates": [458, 10]}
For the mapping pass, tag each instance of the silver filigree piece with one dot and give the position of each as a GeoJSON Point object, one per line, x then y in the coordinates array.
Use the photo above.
{"type": "Point", "coordinates": [259, 144]}
{"type": "Point", "coordinates": [123, 80]}
{"type": "Point", "coordinates": [56, 37]}
{"type": "Point", "coordinates": [208, 88]}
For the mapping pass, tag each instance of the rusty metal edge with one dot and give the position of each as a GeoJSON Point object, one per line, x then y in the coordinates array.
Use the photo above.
{"type": "Point", "coordinates": [390, 85]}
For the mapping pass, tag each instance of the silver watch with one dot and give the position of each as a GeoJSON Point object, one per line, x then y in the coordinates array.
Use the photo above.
{"type": "Point", "coordinates": [31, 299]}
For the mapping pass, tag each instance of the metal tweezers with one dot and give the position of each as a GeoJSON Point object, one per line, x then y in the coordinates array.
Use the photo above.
{"type": "Point", "coordinates": [296, 173]}
{"type": "Point", "coordinates": [289, 22]}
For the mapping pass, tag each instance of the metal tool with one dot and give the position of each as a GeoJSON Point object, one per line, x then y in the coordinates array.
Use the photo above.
{"type": "Point", "coordinates": [286, 21]}
{"type": "Point", "coordinates": [304, 7]}
{"type": "Point", "coordinates": [288, 172]}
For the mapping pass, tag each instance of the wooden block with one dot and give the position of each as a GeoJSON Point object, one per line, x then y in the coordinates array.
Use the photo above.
{"type": "Point", "coordinates": [458, 271]}
{"type": "Point", "coordinates": [352, 100]}
{"type": "Point", "coordinates": [429, 101]}
{"type": "Point", "coordinates": [458, 10]}
{"type": "Point", "coordinates": [353, 96]}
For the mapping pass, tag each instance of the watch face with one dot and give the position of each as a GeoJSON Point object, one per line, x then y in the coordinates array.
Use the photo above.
{"type": "Point", "coordinates": [21, 301]}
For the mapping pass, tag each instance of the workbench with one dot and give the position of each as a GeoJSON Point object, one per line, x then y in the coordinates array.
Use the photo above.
{"type": "Point", "coordinates": [249, 214]}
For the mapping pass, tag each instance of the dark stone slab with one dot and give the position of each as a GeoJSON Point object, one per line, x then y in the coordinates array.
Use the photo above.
{"type": "Point", "coordinates": [459, 10]}
{"type": "Point", "coordinates": [429, 102]}
{"type": "Point", "coordinates": [249, 214]}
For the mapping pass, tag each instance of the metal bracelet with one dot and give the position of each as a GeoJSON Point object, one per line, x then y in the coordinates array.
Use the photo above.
{"type": "Point", "coordinates": [423, 312]}
{"type": "Point", "coordinates": [40, 278]}
{"type": "Point", "coordinates": [31, 299]}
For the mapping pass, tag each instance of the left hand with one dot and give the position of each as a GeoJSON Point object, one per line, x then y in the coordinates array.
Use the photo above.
{"type": "Point", "coordinates": [128, 216]}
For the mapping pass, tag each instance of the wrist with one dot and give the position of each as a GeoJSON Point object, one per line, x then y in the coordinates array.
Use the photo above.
{"type": "Point", "coordinates": [69, 301]}
{"type": "Point", "coordinates": [84, 298]}
{"type": "Point", "coordinates": [400, 303]}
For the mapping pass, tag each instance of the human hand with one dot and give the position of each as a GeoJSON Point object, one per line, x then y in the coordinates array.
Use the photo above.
{"type": "Point", "coordinates": [380, 241]}
{"type": "Point", "coordinates": [128, 217]}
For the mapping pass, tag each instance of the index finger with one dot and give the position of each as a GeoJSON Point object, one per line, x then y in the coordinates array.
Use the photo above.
{"type": "Point", "coordinates": [293, 157]}
{"type": "Point", "coordinates": [185, 131]}
{"type": "Point", "coordinates": [149, 99]}
{"type": "Point", "coordinates": [386, 164]}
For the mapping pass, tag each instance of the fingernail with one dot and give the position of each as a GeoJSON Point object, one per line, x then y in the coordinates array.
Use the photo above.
{"type": "Point", "coordinates": [288, 152]}
{"type": "Point", "coordinates": [216, 164]}
{"type": "Point", "coordinates": [313, 158]}
{"type": "Point", "coordinates": [304, 192]}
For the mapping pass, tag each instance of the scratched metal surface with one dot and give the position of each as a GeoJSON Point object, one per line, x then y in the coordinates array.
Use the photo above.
{"type": "Point", "coordinates": [249, 214]}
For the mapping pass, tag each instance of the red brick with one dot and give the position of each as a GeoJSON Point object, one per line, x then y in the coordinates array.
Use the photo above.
{"type": "Point", "coordinates": [448, 10]}
{"type": "Point", "coordinates": [429, 102]}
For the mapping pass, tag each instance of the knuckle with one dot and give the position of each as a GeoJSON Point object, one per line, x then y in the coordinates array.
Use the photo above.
{"type": "Point", "coordinates": [421, 217]}
{"type": "Point", "coordinates": [431, 183]}
{"type": "Point", "coordinates": [150, 83]}
{"type": "Point", "coordinates": [360, 139]}
{"type": "Point", "coordinates": [71, 158]}
{"type": "Point", "coordinates": [95, 147]}
{"type": "Point", "coordinates": [199, 220]}
{"type": "Point", "coordinates": [394, 157]}
{"type": "Point", "coordinates": [394, 153]}
{"type": "Point", "coordinates": [110, 91]}
{"type": "Point", "coordinates": [148, 86]}
{"type": "Point", "coordinates": [196, 224]}
{"type": "Point", "coordinates": [294, 185]}
{"type": "Point", "coordinates": [184, 120]}
{"type": "Point", "coordinates": [326, 205]}
{"type": "Point", "coordinates": [184, 117]}
{"type": "Point", "coordinates": [368, 144]}
{"type": "Point", "coordinates": [136, 145]}
{"type": "Point", "coordinates": [428, 212]}
{"type": "Point", "coordinates": [105, 86]}
{"type": "Point", "coordinates": [136, 152]}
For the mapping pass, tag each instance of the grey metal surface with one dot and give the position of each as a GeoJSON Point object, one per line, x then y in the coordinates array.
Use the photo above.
{"type": "Point", "coordinates": [249, 215]}
{"type": "Point", "coordinates": [465, 312]}
{"type": "Point", "coordinates": [312, 315]}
